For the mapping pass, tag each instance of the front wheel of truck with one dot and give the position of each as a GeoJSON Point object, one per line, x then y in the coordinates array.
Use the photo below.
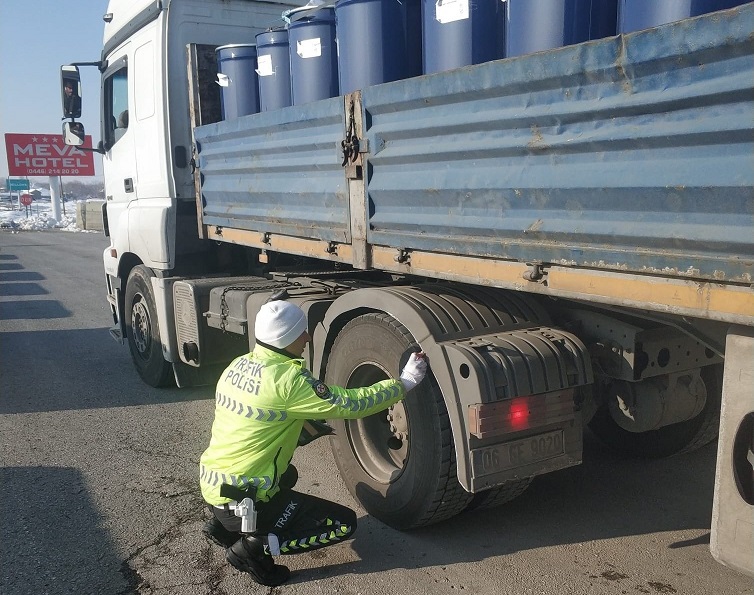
{"type": "Point", "coordinates": [399, 463]}
{"type": "Point", "coordinates": [142, 330]}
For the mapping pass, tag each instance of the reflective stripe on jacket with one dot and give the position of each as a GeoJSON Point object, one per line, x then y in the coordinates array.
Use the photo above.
{"type": "Point", "coordinates": [261, 403]}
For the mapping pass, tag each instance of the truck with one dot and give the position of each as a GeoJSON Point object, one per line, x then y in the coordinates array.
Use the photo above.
{"type": "Point", "coordinates": [568, 235]}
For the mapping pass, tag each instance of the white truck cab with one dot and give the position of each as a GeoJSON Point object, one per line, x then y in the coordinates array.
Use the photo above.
{"type": "Point", "coordinates": [147, 152]}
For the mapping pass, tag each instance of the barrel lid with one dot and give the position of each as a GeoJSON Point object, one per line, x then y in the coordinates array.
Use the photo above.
{"type": "Point", "coordinates": [236, 45]}
{"type": "Point", "coordinates": [272, 37]}
{"type": "Point", "coordinates": [316, 15]}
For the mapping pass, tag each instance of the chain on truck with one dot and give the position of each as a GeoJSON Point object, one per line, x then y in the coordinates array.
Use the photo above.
{"type": "Point", "coordinates": [567, 234]}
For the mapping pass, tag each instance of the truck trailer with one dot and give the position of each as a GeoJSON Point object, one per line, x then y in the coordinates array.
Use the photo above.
{"type": "Point", "coordinates": [568, 235]}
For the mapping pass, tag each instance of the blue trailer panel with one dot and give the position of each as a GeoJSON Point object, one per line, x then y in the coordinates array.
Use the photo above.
{"type": "Point", "coordinates": [276, 172]}
{"type": "Point", "coordinates": [632, 153]}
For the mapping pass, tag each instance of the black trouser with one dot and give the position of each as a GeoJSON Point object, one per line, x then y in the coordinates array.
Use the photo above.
{"type": "Point", "coordinates": [292, 522]}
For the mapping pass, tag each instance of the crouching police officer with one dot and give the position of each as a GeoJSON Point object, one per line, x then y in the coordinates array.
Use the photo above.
{"type": "Point", "coordinates": [262, 403]}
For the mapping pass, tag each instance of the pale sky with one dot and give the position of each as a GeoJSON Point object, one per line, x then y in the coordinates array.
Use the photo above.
{"type": "Point", "coordinates": [36, 38]}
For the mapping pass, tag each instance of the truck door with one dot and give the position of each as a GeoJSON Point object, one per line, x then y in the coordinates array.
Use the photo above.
{"type": "Point", "coordinates": [119, 161]}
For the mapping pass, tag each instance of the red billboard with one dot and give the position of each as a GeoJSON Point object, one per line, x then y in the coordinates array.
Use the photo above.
{"type": "Point", "coordinates": [47, 155]}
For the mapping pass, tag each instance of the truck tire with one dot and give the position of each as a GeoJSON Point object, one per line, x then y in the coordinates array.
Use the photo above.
{"type": "Point", "coordinates": [142, 330]}
{"type": "Point", "coordinates": [399, 464]}
{"type": "Point", "coordinates": [499, 495]}
{"type": "Point", "coordinates": [674, 439]}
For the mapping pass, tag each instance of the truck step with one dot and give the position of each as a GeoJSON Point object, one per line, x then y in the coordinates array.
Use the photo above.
{"type": "Point", "coordinates": [116, 334]}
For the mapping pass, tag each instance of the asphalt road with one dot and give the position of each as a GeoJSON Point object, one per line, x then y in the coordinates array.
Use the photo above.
{"type": "Point", "coordinates": [99, 490]}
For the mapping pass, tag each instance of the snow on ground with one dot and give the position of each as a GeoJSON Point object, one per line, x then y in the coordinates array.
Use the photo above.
{"type": "Point", "coordinates": [38, 217]}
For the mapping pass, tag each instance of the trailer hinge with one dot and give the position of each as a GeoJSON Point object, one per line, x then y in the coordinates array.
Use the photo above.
{"type": "Point", "coordinates": [332, 248]}
{"type": "Point", "coordinates": [403, 256]}
{"type": "Point", "coordinates": [350, 144]}
{"type": "Point", "coordinates": [350, 148]}
{"type": "Point", "coordinates": [266, 238]}
{"type": "Point", "coordinates": [535, 272]}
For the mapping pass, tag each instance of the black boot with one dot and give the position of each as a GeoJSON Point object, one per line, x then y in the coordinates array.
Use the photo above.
{"type": "Point", "coordinates": [248, 555]}
{"type": "Point", "coordinates": [215, 532]}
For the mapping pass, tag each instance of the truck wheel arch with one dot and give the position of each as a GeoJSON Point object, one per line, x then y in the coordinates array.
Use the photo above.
{"type": "Point", "coordinates": [432, 313]}
{"type": "Point", "coordinates": [126, 263]}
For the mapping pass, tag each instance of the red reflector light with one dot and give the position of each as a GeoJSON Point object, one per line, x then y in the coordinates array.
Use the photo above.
{"type": "Point", "coordinates": [519, 414]}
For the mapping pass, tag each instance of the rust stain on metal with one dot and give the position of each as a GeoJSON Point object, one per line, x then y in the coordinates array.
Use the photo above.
{"type": "Point", "coordinates": [620, 59]}
{"type": "Point", "coordinates": [537, 141]}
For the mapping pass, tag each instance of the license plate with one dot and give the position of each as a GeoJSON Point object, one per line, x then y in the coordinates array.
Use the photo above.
{"type": "Point", "coordinates": [519, 452]}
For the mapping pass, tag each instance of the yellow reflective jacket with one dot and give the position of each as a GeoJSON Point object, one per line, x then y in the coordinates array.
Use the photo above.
{"type": "Point", "coordinates": [261, 403]}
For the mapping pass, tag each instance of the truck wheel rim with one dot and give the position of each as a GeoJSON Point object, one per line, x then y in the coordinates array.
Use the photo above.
{"type": "Point", "coordinates": [380, 441]}
{"type": "Point", "coordinates": [140, 326]}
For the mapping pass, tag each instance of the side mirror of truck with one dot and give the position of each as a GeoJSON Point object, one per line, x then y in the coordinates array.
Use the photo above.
{"type": "Point", "coordinates": [70, 87]}
{"type": "Point", "coordinates": [73, 134]}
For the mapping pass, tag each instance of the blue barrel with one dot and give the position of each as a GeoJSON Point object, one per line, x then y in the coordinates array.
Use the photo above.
{"type": "Point", "coordinates": [536, 25]}
{"type": "Point", "coordinates": [462, 32]}
{"type": "Point", "coordinates": [604, 15]}
{"type": "Point", "coordinates": [274, 70]}
{"type": "Point", "coordinates": [635, 15]}
{"type": "Point", "coordinates": [412, 26]}
{"type": "Point", "coordinates": [372, 42]}
{"type": "Point", "coordinates": [240, 96]}
{"type": "Point", "coordinates": [314, 56]}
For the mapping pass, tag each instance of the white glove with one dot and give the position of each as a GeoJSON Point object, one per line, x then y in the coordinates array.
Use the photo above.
{"type": "Point", "coordinates": [414, 370]}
